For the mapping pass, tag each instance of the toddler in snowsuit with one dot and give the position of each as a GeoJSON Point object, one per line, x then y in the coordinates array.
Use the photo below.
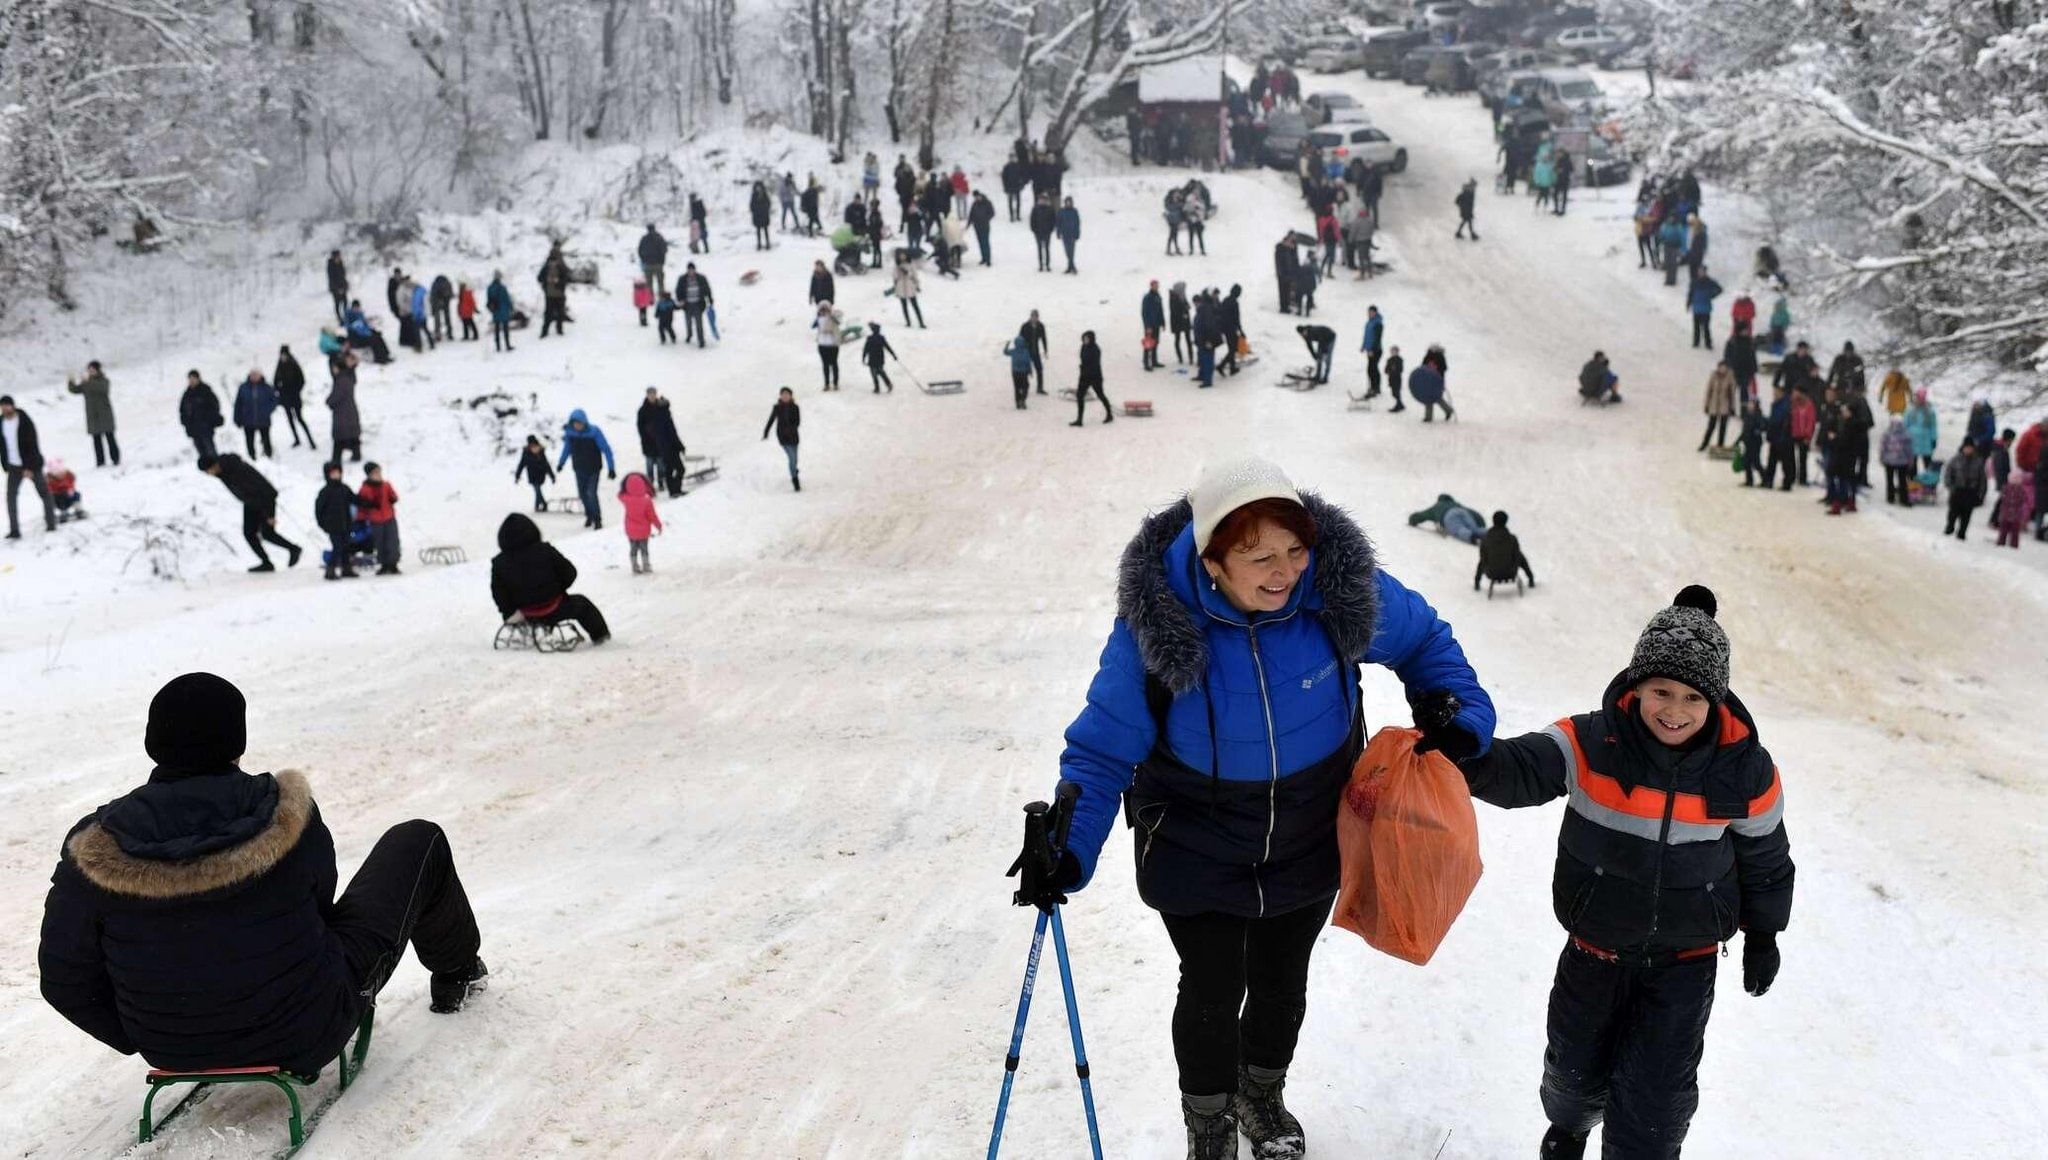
{"type": "Point", "coordinates": [636, 496]}
{"type": "Point", "coordinates": [1673, 840]}
{"type": "Point", "coordinates": [2015, 508]}
{"type": "Point", "coordinates": [533, 465]}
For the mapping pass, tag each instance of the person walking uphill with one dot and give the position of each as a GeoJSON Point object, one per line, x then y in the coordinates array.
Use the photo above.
{"type": "Point", "coordinates": [1673, 840]}
{"type": "Point", "coordinates": [1069, 226]}
{"type": "Point", "coordinates": [193, 920]}
{"type": "Point", "coordinates": [533, 467]}
{"type": "Point", "coordinates": [259, 507]}
{"type": "Point", "coordinates": [1224, 719]}
{"type": "Point", "coordinates": [784, 418]}
{"type": "Point", "coordinates": [99, 413]}
{"type": "Point", "coordinates": [586, 449]}
{"type": "Point", "coordinates": [1090, 380]}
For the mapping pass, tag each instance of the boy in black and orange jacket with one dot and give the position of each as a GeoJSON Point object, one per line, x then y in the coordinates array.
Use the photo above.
{"type": "Point", "coordinates": [1673, 840]}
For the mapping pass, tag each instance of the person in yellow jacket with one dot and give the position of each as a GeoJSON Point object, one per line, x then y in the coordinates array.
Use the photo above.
{"type": "Point", "coordinates": [1895, 392]}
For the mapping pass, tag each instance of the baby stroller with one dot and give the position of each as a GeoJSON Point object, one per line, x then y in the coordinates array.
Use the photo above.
{"type": "Point", "coordinates": [362, 550]}
{"type": "Point", "coordinates": [849, 252]}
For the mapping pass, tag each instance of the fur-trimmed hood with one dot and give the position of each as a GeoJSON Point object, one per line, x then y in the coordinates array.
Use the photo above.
{"type": "Point", "coordinates": [163, 842]}
{"type": "Point", "coordinates": [1159, 596]}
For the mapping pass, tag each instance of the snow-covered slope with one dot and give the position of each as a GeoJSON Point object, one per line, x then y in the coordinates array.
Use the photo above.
{"type": "Point", "coordinates": [739, 873]}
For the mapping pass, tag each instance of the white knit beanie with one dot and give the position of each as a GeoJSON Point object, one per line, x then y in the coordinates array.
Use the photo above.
{"type": "Point", "coordinates": [1229, 484]}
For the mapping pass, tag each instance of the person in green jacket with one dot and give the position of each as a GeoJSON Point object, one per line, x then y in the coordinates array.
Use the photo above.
{"type": "Point", "coordinates": [99, 413]}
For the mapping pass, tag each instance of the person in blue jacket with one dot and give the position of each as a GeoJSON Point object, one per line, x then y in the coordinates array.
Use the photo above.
{"type": "Point", "coordinates": [1068, 226]}
{"type": "Point", "coordinates": [1224, 720]}
{"type": "Point", "coordinates": [420, 317]}
{"type": "Point", "coordinates": [1671, 240]}
{"type": "Point", "coordinates": [255, 403]}
{"type": "Point", "coordinates": [1019, 350]}
{"type": "Point", "coordinates": [498, 301]}
{"type": "Point", "coordinates": [583, 446]}
{"type": "Point", "coordinates": [1375, 335]}
{"type": "Point", "coordinates": [1699, 298]}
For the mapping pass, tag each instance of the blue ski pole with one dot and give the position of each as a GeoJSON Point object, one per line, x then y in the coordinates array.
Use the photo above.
{"type": "Point", "coordinates": [1045, 839]}
{"type": "Point", "coordinates": [1059, 945]}
{"type": "Point", "coordinates": [995, 1139]}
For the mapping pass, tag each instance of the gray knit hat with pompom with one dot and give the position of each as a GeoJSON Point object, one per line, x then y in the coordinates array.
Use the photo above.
{"type": "Point", "coordinates": [1685, 643]}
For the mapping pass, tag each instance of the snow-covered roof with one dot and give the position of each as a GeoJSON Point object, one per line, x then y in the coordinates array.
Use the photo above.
{"type": "Point", "coordinates": [1197, 78]}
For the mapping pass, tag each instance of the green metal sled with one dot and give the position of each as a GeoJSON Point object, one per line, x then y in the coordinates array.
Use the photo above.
{"type": "Point", "coordinates": [350, 1063]}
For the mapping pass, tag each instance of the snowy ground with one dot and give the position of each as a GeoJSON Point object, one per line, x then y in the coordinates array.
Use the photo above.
{"type": "Point", "coordinates": [739, 873]}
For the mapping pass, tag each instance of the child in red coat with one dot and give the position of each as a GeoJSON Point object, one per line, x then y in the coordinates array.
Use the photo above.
{"type": "Point", "coordinates": [642, 298]}
{"type": "Point", "coordinates": [636, 496]}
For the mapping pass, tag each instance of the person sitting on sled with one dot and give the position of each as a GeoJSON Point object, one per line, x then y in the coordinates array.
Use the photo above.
{"type": "Point", "coordinates": [194, 921]}
{"type": "Point", "coordinates": [1673, 840]}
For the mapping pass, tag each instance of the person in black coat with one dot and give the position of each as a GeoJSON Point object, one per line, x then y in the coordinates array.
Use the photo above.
{"type": "Point", "coordinates": [391, 286]}
{"type": "Point", "coordinates": [534, 467]}
{"type": "Point", "coordinates": [653, 254]}
{"type": "Point", "coordinates": [1178, 321]}
{"type": "Point", "coordinates": [22, 453]}
{"type": "Point", "coordinates": [1500, 555]}
{"type": "Point", "coordinates": [1016, 175]}
{"type": "Point", "coordinates": [980, 214]}
{"type": "Point", "coordinates": [1286, 267]}
{"type": "Point", "coordinates": [440, 295]}
{"type": "Point", "coordinates": [1322, 345]}
{"type": "Point", "coordinates": [1465, 204]}
{"type": "Point", "coordinates": [1152, 316]}
{"type": "Point", "coordinates": [1037, 345]}
{"type": "Point", "coordinates": [1739, 352]}
{"type": "Point", "coordinates": [807, 201]}
{"type": "Point", "coordinates": [1043, 218]}
{"type": "Point", "coordinates": [762, 212]}
{"type": "Point", "coordinates": [1090, 380]}
{"type": "Point", "coordinates": [337, 285]}
{"type": "Point", "coordinates": [661, 443]}
{"type": "Point", "coordinates": [784, 419]}
{"type": "Point", "coordinates": [823, 289]}
{"type": "Point", "coordinates": [334, 511]}
{"type": "Point", "coordinates": [290, 382]}
{"type": "Point", "coordinates": [193, 921]}
{"type": "Point", "coordinates": [1674, 840]}
{"type": "Point", "coordinates": [199, 413]}
{"type": "Point", "coordinates": [872, 352]}
{"type": "Point", "coordinates": [530, 579]}
{"type": "Point", "coordinates": [259, 507]}
{"type": "Point", "coordinates": [1751, 441]}
{"type": "Point", "coordinates": [1230, 326]}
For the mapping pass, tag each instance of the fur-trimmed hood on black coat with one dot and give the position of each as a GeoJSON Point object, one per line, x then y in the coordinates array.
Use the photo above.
{"type": "Point", "coordinates": [187, 921]}
{"type": "Point", "coordinates": [1160, 608]}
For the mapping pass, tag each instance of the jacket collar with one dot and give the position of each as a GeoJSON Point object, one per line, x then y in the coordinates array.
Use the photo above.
{"type": "Point", "coordinates": [1160, 598]}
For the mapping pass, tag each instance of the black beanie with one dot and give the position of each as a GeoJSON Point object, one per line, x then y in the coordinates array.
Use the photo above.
{"type": "Point", "coordinates": [197, 724]}
{"type": "Point", "coordinates": [1685, 644]}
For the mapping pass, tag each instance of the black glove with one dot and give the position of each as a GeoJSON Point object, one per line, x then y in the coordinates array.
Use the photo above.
{"type": "Point", "coordinates": [611, 474]}
{"type": "Point", "coordinates": [1435, 714]}
{"type": "Point", "coordinates": [1759, 961]}
{"type": "Point", "coordinates": [1041, 888]}
{"type": "Point", "coordinates": [1045, 870]}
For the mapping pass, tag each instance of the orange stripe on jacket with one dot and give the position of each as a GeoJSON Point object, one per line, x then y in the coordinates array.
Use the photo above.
{"type": "Point", "coordinates": [1645, 802]}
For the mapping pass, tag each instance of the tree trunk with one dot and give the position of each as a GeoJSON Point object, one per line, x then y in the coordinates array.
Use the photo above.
{"type": "Point", "coordinates": [942, 63]}
{"type": "Point", "coordinates": [608, 33]}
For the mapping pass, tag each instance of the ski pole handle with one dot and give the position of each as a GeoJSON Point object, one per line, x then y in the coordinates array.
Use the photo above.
{"type": "Point", "coordinates": [1064, 796]}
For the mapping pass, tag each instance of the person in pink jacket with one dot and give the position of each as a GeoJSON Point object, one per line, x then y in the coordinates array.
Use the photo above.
{"type": "Point", "coordinates": [636, 496]}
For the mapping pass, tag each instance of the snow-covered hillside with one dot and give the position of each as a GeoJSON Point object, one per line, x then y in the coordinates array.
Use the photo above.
{"type": "Point", "coordinates": [739, 872]}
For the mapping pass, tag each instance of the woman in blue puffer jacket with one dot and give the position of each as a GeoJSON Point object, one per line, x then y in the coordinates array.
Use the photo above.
{"type": "Point", "coordinates": [1225, 719]}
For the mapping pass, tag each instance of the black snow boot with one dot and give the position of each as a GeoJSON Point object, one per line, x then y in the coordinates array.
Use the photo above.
{"type": "Point", "coordinates": [1563, 1144]}
{"type": "Point", "coordinates": [1264, 1119]}
{"type": "Point", "coordinates": [450, 989]}
{"type": "Point", "coordinates": [1211, 1135]}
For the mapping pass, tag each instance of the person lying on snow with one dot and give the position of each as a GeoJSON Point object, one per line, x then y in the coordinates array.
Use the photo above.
{"type": "Point", "coordinates": [1451, 518]}
{"type": "Point", "coordinates": [194, 920]}
{"type": "Point", "coordinates": [1673, 840]}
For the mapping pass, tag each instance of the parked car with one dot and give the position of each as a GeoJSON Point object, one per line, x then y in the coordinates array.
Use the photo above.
{"type": "Point", "coordinates": [1439, 16]}
{"type": "Point", "coordinates": [1590, 42]}
{"type": "Point", "coordinates": [1323, 107]}
{"type": "Point", "coordinates": [1451, 71]}
{"type": "Point", "coordinates": [1383, 53]}
{"type": "Point", "coordinates": [1568, 95]}
{"type": "Point", "coordinates": [1605, 164]}
{"type": "Point", "coordinates": [1494, 68]}
{"type": "Point", "coordinates": [1341, 142]}
{"type": "Point", "coordinates": [1349, 56]}
{"type": "Point", "coordinates": [1415, 65]}
{"type": "Point", "coordinates": [1285, 132]}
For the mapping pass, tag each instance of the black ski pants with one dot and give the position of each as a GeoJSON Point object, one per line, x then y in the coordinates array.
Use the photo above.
{"type": "Point", "coordinates": [104, 445]}
{"type": "Point", "coordinates": [501, 334]}
{"type": "Point", "coordinates": [1780, 460]}
{"type": "Point", "coordinates": [880, 378]}
{"type": "Point", "coordinates": [406, 893]}
{"type": "Point", "coordinates": [1044, 252]}
{"type": "Point", "coordinates": [1243, 992]}
{"type": "Point", "coordinates": [256, 529]}
{"type": "Point", "coordinates": [578, 608]}
{"type": "Point", "coordinates": [828, 365]}
{"type": "Point", "coordinates": [1625, 1043]}
{"type": "Point", "coordinates": [1081, 400]}
{"type": "Point", "coordinates": [294, 422]}
{"type": "Point", "coordinates": [1038, 370]}
{"type": "Point", "coordinates": [1703, 331]}
{"type": "Point", "coordinates": [1021, 381]}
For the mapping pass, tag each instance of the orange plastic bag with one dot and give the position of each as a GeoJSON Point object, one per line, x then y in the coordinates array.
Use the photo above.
{"type": "Point", "coordinates": [1410, 847]}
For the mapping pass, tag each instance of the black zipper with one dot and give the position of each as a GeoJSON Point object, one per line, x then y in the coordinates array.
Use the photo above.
{"type": "Point", "coordinates": [1663, 848]}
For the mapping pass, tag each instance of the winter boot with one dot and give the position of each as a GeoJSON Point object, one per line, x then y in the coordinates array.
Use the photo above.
{"type": "Point", "coordinates": [1263, 1118]}
{"type": "Point", "coordinates": [291, 559]}
{"type": "Point", "coordinates": [265, 566]}
{"type": "Point", "coordinates": [1563, 1144]}
{"type": "Point", "coordinates": [451, 989]}
{"type": "Point", "coordinates": [1212, 1135]}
